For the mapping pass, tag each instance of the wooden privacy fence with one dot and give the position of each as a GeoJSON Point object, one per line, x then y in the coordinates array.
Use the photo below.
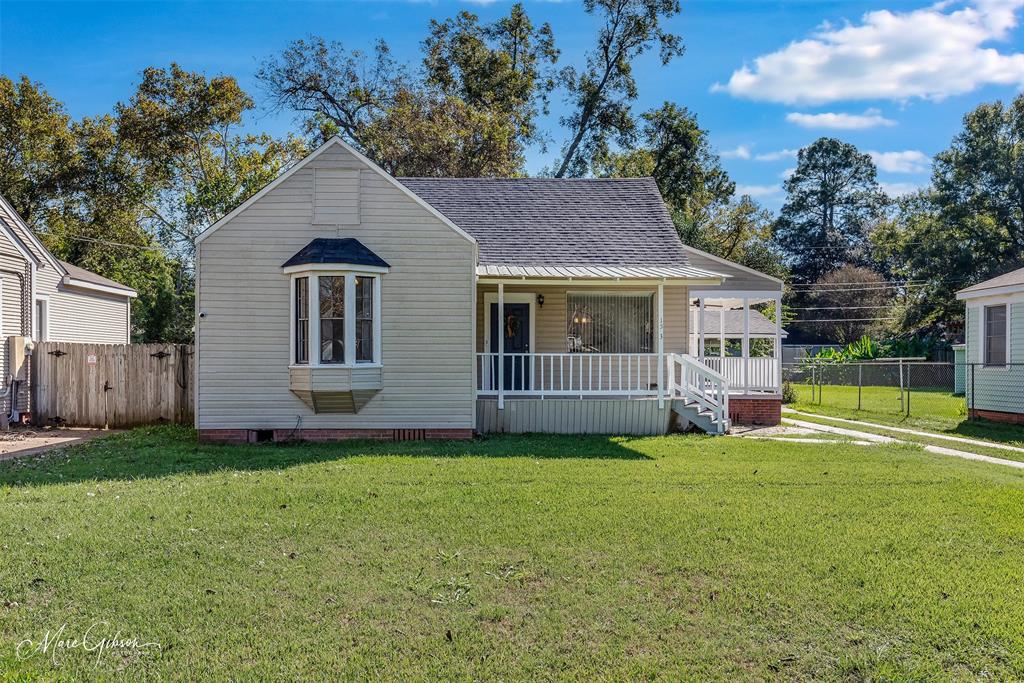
{"type": "Point", "coordinates": [111, 385]}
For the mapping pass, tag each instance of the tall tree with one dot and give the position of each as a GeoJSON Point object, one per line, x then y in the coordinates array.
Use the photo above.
{"type": "Point", "coordinates": [181, 127]}
{"type": "Point", "coordinates": [676, 152]}
{"type": "Point", "coordinates": [850, 303]}
{"type": "Point", "coordinates": [38, 162]}
{"type": "Point", "coordinates": [470, 111]}
{"type": "Point", "coordinates": [832, 201]}
{"type": "Point", "coordinates": [600, 95]}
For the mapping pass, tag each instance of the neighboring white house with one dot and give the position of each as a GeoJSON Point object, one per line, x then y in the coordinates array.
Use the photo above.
{"type": "Point", "coordinates": [994, 341]}
{"type": "Point", "coordinates": [44, 299]}
{"type": "Point", "coordinates": [341, 302]}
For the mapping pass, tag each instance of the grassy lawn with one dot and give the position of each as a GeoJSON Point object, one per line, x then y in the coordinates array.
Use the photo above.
{"type": "Point", "coordinates": [931, 410]}
{"type": "Point", "coordinates": [679, 557]}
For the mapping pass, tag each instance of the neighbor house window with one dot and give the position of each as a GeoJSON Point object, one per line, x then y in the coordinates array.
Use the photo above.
{"type": "Point", "coordinates": [610, 322]}
{"type": "Point", "coordinates": [302, 320]}
{"type": "Point", "coordinates": [995, 335]}
{"type": "Point", "coordinates": [41, 321]}
{"type": "Point", "coordinates": [364, 319]}
{"type": "Point", "coordinates": [332, 318]}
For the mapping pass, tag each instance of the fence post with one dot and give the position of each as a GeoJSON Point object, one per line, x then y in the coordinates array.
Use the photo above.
{"type": "Point", "coordinates": [970, 407]}
{"type": "Point", "coordinates": [909, 366]}
{"type": "Point", "coordinates": [860, 382]}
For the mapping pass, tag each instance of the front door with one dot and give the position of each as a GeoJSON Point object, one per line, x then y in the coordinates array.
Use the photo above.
{"type": "Point", "coordinates": [515, 325]}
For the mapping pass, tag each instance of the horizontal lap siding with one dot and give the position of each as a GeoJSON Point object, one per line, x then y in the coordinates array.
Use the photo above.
{"type": "Point", "coordinates": [573, 416]}
{"type": "Point", "coordinates": [11, 262]}
{"type": "Point", "coordinates": [80, 316]}
{"type": "Point", "coordinates": [426, 310]}
{"type": "Point", "coordinates": [996, 389]}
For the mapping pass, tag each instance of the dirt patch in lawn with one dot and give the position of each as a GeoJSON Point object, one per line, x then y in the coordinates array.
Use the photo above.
{"type": "Point", "coordinates": [19, 442]}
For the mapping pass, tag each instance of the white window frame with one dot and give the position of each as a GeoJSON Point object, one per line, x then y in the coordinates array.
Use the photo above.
{"type": "Point", "coordinates": [44, 330]}
{"type": "Point", "coordinates": [653, 293]}
{"type": "Point", "coordinates": [1006, 335]}
{"type": "Point", "coordinates": [314, 272]}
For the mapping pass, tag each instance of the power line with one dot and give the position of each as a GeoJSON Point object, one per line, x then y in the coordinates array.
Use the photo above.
{"type": "Point", "coordinates": [836, 308]}
{"type": "Point", "coordinates": [838, 320]}
{"type": "Point", "coordinates": [82, 238]}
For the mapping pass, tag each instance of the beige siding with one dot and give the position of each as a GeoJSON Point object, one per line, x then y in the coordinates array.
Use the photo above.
{"type": "Point", "coordinates": [11, 263]}
{"type": "Point", "coordinates": [573, 416]}
{"type": "Point", "coordinates": [80, 315]}
{"type": "Point", "coordinates": [551, 317]}
{"type": "Point", "coordinates": [426, 310]}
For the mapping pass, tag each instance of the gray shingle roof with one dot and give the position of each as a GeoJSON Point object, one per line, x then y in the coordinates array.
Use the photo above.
{"type": "Point", "coordinates": [89, 276]}
{"type": "Point", "coordinates": [760, 325]}
{"type": "Point", "coordinates": [552, 221]}
{"type": "Point", "coordinates": [1013, 278]}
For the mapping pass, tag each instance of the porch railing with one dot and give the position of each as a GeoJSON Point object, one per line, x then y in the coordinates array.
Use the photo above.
{"type": "Point", "coordinates": [757, 373]}
{"type": "Point", "coordinates": [568, 374]}
{"type": "Point", "coordinates": [695, 382]}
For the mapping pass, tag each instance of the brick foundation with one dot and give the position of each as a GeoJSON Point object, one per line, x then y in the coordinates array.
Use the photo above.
{"type": "Point", "coordinates": [755, 410]}
{"type": "Point", "coordinates": [243, 436]}
{"type": "Point", "coordinates": [996, 416]}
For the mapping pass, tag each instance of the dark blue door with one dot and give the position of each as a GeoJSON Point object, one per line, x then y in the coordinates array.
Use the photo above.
{"type": "Point", "coordinates": [515, 326]}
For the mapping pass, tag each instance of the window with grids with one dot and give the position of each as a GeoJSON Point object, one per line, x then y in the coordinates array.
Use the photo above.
{"type": "Point", "coordinates": [610, 322]}
{"type": "Point", "coordinates": [364, 319]}
{"type": "Point", "coordinates": [332, 318]}
{"type": "Point", "coordinates": [995, 335]}
{"type": "Point", "coordinates": [302, 320]}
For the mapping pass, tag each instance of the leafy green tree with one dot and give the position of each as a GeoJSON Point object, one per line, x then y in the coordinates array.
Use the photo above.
{"type": "Point", "coordinates": [832, 202]}
{"type": "Point", "coordinates": [675, 151]}
{"type": "Point", "coordinates": [38, 165]}
{"type": "Point", "coordinates": [471, 111]}
{"type": "Point", "coordinates": [852, 299]}
{"type": "Point", "coordinates": [599, 96]}
{"type": "Point", "coordinates": [179, 126]}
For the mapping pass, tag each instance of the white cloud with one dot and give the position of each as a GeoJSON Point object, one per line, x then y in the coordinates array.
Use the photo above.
{"type": "Point", "coordinates": [777, 155]}
{"type": "Point", "coordinates": [909, 161]}
{"type": "Point", "coordinates": [931, 53]}
{"type": "Point", "coordinates": [872, 118]}
{"type": "Point", "coordinates": [741, 152]}
{"type": "Point", "coordinates": [899, 189]}
{"type": "Point", "coordinates": [787, 172]}
{"type": "Point", "coordinates": [758, 190]}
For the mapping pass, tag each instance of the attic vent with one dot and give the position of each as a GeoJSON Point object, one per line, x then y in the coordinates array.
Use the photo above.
{"type": "Point", "coordinates": [335, 197]}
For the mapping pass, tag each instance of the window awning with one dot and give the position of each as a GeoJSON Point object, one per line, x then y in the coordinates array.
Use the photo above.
{"type": "Point", "coordinates": [346, 251]}
{"type": "Point", "coordinates": [603, 273]}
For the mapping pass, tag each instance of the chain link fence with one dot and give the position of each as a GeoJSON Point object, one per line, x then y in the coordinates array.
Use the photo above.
{"type": "Point", "coordinates": [992, 391]}
{"type": "Point", "coordinates": [877, 386]}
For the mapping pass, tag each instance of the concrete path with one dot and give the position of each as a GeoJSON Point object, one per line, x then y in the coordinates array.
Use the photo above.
{"type": "Point", "coordinates": [904, 430]}
{"type": "Point", "coordinates": [879, 439]}
{"type": "Point", "coordinates": [21, 442]}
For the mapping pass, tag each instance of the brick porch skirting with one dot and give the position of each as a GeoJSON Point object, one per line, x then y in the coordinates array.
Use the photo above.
{"type": "Point", "coordinates": [996, 416]}
{"type": "Point", "coordinates": [242, 436]}
{"type": "Point", "coordinates": [755, 410]}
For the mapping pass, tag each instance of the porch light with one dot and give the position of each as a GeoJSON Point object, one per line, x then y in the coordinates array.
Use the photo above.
{"type": "Point", "coordinates": [540, 300]}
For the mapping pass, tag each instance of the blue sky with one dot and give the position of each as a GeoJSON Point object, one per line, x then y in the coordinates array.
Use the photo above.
{"type": "Point", "coordinates": [765, 78]}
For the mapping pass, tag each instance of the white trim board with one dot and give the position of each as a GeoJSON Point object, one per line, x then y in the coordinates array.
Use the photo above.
{"type": "Point", "coordinates": [511, 298]}
{"type": "Point", "coordinates": [335, 140]}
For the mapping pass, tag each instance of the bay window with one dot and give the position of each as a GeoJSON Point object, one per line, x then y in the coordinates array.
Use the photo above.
{"type": "Point", "coordinates": [335, 318]}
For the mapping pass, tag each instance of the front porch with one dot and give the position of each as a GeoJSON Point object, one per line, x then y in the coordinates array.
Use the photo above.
{"type": "Point", "coordinates": [622, 356]}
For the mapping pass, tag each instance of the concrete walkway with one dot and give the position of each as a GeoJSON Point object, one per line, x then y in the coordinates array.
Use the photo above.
{"type": "Point", "coordinates": [22, 442]}
{"type": "Point", "coordinates": [879, 439]}
{"type": "Point", "coordinates": [904, 430]}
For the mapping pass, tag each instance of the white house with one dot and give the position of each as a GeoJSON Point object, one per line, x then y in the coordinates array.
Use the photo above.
{"type": "Point", "coordinates": [994, 341]}
{"type": "Point", "coordinates": [342, 302]}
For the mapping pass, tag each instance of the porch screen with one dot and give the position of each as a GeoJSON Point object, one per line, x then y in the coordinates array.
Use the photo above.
{"type": "Point", "coordinates": [610, 323]}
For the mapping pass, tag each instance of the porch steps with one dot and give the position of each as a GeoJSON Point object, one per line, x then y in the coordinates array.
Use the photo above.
{"type": "Point", "coordinates": [691, 414]}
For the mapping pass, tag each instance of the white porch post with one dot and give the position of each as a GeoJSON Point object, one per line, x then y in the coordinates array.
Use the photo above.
{"type": "Point", "coordinates": [661, 346]}
{"type": "Point", "coordinates": [746, 343]}
{"type": "Point", "coordinates": [700, 328]}
{"type": "Point", "coordinates": [501, 346]}
{"type": "Point", "coordinates": [778, 342]}
{"type": "Point", "coordinates": [721, 334]}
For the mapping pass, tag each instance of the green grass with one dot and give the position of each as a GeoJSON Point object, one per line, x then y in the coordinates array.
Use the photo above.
{"type": "Point", "coordinates": [679, 557]}
{"type": "Point", "coordinates": [930, 410]}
